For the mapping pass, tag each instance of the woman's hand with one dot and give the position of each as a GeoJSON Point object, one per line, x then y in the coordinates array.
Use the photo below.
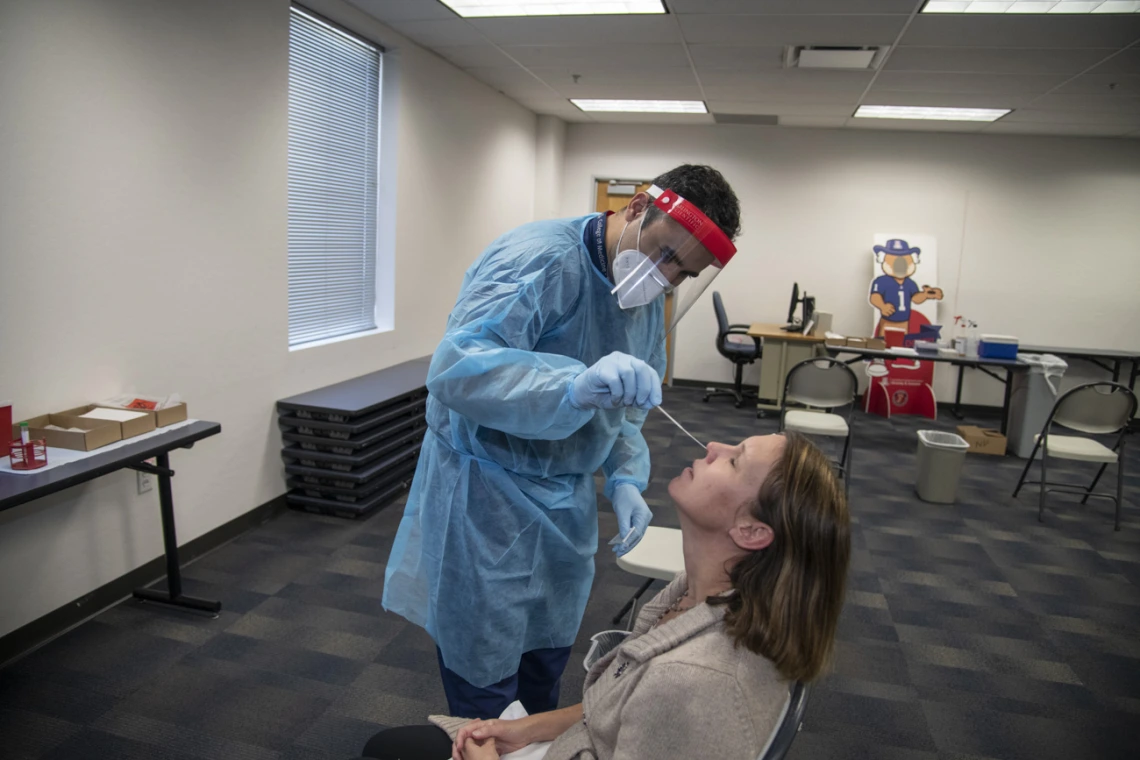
{"type": "Point", "coordinates": [484, 750]}
{"type": "Point", "coordinates": [508, 735]}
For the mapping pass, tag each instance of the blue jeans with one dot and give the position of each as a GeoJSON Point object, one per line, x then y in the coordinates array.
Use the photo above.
{"type": "Point", "coordinates": [536, 685]}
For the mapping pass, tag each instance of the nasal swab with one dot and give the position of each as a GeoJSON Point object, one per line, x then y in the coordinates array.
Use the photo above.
{"type": "Point", "coordinates": [682, 429]}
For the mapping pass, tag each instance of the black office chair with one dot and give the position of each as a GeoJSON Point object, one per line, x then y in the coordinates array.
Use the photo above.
{"type": "Point", "coordinates": [737, 353]}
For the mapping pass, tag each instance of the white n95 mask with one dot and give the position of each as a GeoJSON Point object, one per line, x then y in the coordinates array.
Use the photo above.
{"type": "Point", "coordinates": [638, 279]}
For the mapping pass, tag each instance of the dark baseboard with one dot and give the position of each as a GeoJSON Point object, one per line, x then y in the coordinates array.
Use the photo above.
{"type": "Point", "coordinates": [702, 384]}
{"type": "Point", "coordinates": [35, 634]}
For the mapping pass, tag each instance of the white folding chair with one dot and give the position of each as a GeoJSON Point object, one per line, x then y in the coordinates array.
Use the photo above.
{"type": "Point", "coordinates": [828, 384]}
{"type": "Point", "coordinates": [1100, 408]}
{"type": "Point", "coordinates": [657, 557]}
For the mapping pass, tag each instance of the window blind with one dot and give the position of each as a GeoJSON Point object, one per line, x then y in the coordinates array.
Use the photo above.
{"type": "Point", "coordinates": [334, 114]}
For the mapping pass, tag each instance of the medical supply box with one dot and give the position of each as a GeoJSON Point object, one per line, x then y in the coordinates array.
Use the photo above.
{"type": "Point", "coordinates": [997, 347]}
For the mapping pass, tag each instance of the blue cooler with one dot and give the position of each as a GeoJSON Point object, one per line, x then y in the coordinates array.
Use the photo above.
{"type": "Point", "coordinates": [997, 347]}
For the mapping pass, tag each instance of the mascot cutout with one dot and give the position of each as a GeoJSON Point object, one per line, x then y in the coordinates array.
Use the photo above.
{"type": "Point", "coordinates": [907, 385]}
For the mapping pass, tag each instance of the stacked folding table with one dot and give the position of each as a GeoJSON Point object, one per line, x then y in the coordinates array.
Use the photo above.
{"type": "Point", "coordinates": [352, 447]}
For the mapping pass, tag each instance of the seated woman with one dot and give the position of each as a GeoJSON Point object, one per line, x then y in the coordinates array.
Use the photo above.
{"type": "Point", "coordinates": [706, 672]}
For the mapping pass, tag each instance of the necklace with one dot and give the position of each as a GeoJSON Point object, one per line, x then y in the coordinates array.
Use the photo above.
{"type": "Point", "coordinates": [675, 608]}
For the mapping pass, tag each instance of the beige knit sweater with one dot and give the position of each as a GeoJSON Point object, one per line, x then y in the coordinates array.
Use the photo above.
{"type": "Point", "coordinates": [680, 690]}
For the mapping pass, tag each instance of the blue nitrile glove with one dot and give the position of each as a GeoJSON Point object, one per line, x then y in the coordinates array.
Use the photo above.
{"type": "Point", "coordinates": [616, 380]}
{"type": "Point", "coordinates": [633, 517]}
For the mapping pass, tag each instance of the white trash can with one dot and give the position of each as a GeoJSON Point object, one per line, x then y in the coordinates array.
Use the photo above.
{"type": "Point", "coordinates": [940, 458]}
{"type": "Point", "coordinates": [1031, 398]}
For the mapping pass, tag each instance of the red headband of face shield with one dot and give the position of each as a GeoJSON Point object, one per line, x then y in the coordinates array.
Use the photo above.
{"type": "Point", "coordinates": [694, 220]}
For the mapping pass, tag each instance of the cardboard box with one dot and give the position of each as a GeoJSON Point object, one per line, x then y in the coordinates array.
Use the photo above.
{"type": "Point", "coordinates": [857, 342]}
{"type": "Point", "coordinates": [128, 429]}
{"type": "Point", "coordinates": [877, 343]}
{"type": "Point", "coordinates": [96, 432]}
{"type": "Point", "coordinates": [835, 342]}
{"type": "Point", "coordinates": [983, 440]}
{"type": "Point", "coordinates": [162, 417]}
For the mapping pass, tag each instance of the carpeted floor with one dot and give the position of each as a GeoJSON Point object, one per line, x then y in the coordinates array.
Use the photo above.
{"type": "Point", "coordinates": [970, 631]}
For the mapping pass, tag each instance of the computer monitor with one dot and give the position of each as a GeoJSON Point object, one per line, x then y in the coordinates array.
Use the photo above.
{"type": "Point", "coordinates": [807, 312]}
{"type": "Point", "coordinates": [792, 305]}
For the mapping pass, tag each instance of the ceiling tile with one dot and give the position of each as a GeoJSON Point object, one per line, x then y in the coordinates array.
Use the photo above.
{"type": "Point", "coordinates": [917, 125]}
{"type": "Point", "coordinates": [486, 55]}
{"type": "Point", "coordinates": [946, 99]}
{"type": "Point", "coordinates": [594, 57]}
{"type": "Point", "coordinates": [997, 84]}
{"type": "Point", "coordinates": [737, 57]}
{"type": "Point", "coordinates": [754, 95]}
{"type": "Point", "coordinates": [791, 30]}
{"type": "Point", "coordinates": [1023, 31]}
{"type": "Point", "coordinates": [575, 30]}
{"type": "Point", "coordinates": [449, 32]}
{"type": "Point", "coordinates": [1107, 103]}
{"type": "Point", "coordinates": [603, 89]}
{"type": "Point", "coordinates": [1098, 82]}
{"type": "Point", "coordinates": [1038, 128]}
{"type": "Point", "coordinates": [1124, 62]}
{"type": "Point", "coordinates": [1107, 119]}
{"type": "Point", "coordinates": [563, 77]}
{"type": "Point", "coordinates": [390, 11]}
{"type": "Point", "coordinates": [831, 122]}
{"type": "Point", "coordinates": [780, 108]}
{"type": "Point", "coordinates": [791, 80]}
{"type": "Point", "coordinates": [515, 82]}
{"type": "Point", "coordinates": [792, 6]}
{"type": "Point", "coordinates": [995, 60]}
{"type": "Point", "coordinates": [554, 107]}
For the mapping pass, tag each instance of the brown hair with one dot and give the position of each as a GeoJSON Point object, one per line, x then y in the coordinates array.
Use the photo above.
{"type": "Point", "coordinates": [788, 596]}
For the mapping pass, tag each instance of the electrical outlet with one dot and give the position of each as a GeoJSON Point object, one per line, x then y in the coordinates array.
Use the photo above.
{"type": "Point", "coordinates": [145, 480]}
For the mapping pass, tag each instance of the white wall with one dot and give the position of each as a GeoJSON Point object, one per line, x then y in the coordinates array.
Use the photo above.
{"type": "Point", "coordinates": [1046, 230]}
{"type": "Point", "coordinates": [550, 160]}
{"type": "Point", "coordinates": [143, 246]}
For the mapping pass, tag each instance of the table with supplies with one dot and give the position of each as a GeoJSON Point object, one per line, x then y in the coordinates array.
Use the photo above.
{"type": "Point", "coordinates": [17, 488]}
{"type": "Point", "coordinates": [988, 366]}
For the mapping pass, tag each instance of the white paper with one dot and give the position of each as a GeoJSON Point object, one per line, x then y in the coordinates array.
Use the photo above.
{"type": "Point", "coordinates": [116, 415]}
{"type": "Point", "coordinates": [535, 751]}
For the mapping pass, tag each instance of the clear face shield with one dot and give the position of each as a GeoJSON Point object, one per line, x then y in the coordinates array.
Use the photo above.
{"type": "Point", "coordinates": [681, 251]}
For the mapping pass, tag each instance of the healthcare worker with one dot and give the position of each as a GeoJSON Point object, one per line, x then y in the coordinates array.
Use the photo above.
{"type": "Point", "coordinates": [552, 357]}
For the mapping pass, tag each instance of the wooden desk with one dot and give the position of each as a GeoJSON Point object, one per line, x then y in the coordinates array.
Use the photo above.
{"type": "Point", "coordinates": [782, 351]}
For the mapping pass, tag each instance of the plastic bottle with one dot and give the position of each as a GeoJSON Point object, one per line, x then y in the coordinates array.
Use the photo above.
{"type": "Point", "coordinates": [972, 341]}
{"type": "Point", "coordinates": [959, 341]}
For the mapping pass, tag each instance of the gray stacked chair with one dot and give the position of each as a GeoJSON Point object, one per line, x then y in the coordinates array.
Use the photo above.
{"type": "Point", "coordinates": [1100, 408]}
{"type": "Point", "coordinates": [828, 384]}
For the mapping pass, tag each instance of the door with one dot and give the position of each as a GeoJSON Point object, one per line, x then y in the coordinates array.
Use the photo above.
{"type": "Point", "coordinates": [613, 195]}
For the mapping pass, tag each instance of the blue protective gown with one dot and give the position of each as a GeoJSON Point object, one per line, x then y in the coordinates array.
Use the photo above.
{"type": "Point", "coordinates": [494, 555]}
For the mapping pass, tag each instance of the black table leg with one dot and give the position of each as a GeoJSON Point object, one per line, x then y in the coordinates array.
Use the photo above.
{"type": "Point", "coordinates": [1005, 401]}
{"type": "Point", "coordinates": [1116, 370]}
{"type": "Point", "coordinates": [956, 409]}
{"type": "Point", "coordinates": [633, 600]}
{"type": "Point", "coordinates": [173, 595]}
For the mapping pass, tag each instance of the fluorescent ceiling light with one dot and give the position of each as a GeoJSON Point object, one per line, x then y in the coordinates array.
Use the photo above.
{"type": "Point", "coordinates": [485, 8]}
{"type": "Point", "coordinates": [931, 112]}
{"type": "Point", "coordinates": [1032, 6]}
{"type": "Point", "coordinates": [641, 106]}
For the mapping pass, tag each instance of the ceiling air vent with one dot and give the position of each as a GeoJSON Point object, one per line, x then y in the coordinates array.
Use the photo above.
{"type": "Point", "coordinates": [833, 57]}
{"type": "Point", "coordinates": [745, 118]}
